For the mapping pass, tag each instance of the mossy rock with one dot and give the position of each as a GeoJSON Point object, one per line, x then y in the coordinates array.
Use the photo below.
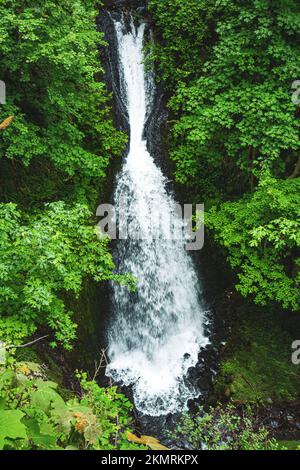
{"type": "Point", "coordinates": [289, 445]}
{"type": "Point", "coordinates": [258, 367]}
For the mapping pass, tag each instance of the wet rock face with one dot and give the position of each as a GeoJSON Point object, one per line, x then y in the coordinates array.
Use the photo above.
{"type": "Point", "coordinates": [111, 70]}
{"type": "Point", "coordinates": [125, 3]}
{"type": "Point", "coordinates": [157, 119]}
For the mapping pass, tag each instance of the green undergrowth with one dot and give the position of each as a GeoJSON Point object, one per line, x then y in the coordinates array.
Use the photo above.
{"type": "Point", "coordinates": [225, 428]}
{"type": "Point", "coordinates": [37, 414]}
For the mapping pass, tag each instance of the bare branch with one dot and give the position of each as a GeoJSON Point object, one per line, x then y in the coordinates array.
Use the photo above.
{"type": "Point", "coordinates": [10, 346]}
{"type": "Point", "coordinates": [103, 362]}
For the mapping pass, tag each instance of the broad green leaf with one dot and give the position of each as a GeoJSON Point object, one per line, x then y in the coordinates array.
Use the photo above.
{"type": "Point", "coordinates": [11, 425]}
{"type": "Point", "coordinates": [44, 398]}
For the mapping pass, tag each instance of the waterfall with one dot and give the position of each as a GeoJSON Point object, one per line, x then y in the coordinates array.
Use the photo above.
{"type": "Point", "coordinates": [155, 333]}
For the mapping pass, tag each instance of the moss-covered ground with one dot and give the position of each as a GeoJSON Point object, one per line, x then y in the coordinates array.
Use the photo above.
{"type": "Point", "coordinates": [256, 366]}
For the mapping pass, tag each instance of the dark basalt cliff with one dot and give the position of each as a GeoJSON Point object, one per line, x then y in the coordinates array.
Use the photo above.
{"type": "Point", "coordinates": [157, 119]}
{"type": "Point", "coordinates": [133, 4]}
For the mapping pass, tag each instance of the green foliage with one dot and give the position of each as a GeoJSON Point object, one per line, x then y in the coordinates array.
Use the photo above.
{"type": "Point", "coordinates": [11, 426]}
{"type": "Point", "coordinates": [33, 414]}
{"type": "Point", "coordinates": [230, 65]}
{"type": "Point", "coordinates": [261, 235]}
{"type": "Point", "coordinates": [225, 429]}
{"type": "Point", "coordinates": [51, 67]}
{"type": "Point", "coordinates": [44, 257]}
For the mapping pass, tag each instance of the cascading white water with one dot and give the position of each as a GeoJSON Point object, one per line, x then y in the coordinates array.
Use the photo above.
{"type": "Point", "coordinates": [156, 332]}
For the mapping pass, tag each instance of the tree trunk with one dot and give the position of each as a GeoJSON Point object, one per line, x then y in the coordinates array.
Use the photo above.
{"type": "Point", "coordinates": [296, 170]}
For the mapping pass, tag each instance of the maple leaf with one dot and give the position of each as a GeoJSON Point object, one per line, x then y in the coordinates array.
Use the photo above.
{"type": "Point", "coordinates": [6, 123]}
{"type": "Point", "coordinates": [149, 441]}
